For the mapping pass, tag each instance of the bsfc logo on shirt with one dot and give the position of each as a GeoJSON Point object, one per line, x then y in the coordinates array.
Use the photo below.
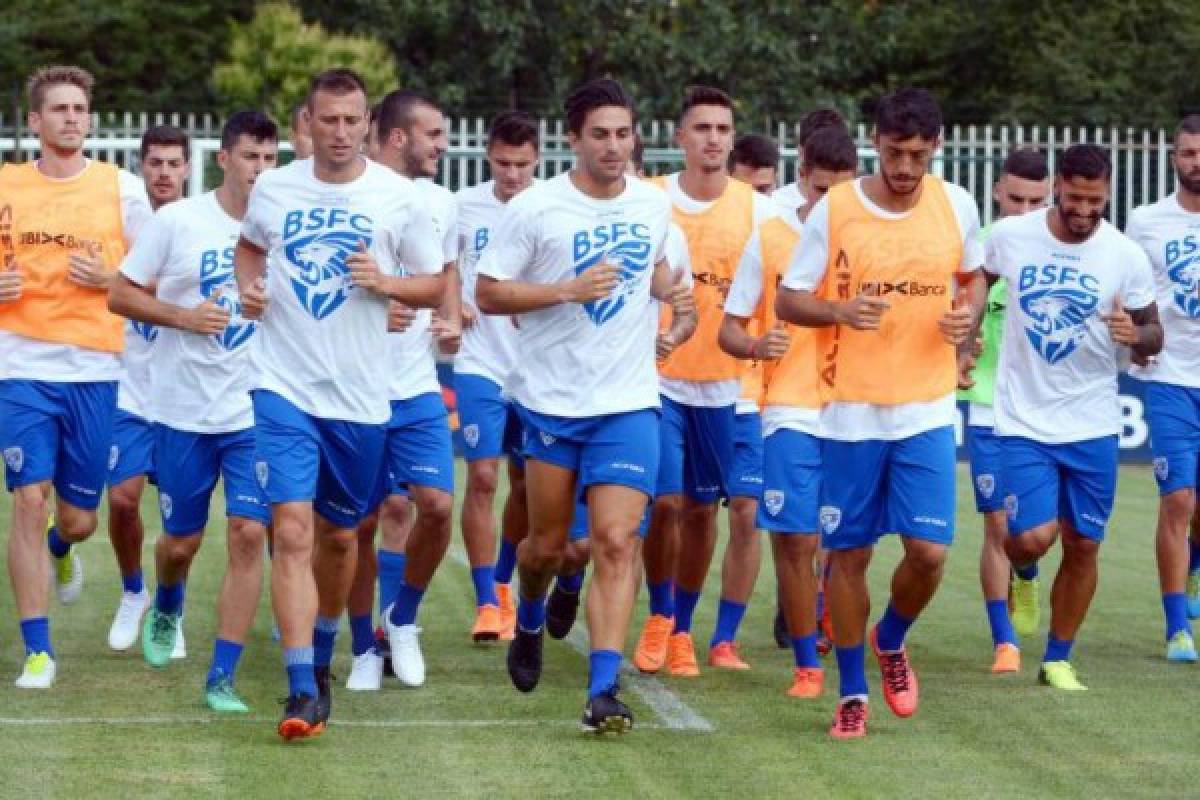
{"type": "Point", "coordinates": [1182, 257]}
{"type": "Point", "coordinates": [624, 245]}
{"type": "Point", "coordinates": [1057, 301]}
{"type": "Point", "coordinates": [316, 243]}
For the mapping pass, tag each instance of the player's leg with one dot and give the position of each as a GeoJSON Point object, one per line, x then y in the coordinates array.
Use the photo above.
{"type": "Point", "coordinates": [514, 525]}
{"type": "Point", "coordinates": [366, 666]}
{"type": "Point", "coordinates": [994, 569]}
{"type": "Point", "coordinates": [562, 606]}
{"type": "Point", "coordinates": [1193, 581]}
{"type": "Point", "coordinates": [130, 461]}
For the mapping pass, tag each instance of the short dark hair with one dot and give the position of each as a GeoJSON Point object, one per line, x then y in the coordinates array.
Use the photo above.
{"type": "Point", "coordinates": [339, 80]}
{"type": "Point", "coordinates": [597, 93]}
{"type": "Point", "coordinates": [1088, 161]}
{"type": "Point", "coordinates": [906, 113]}
{"type": "Point", "coordinates": [164, 136]}
{"type": "Point", "coordinates": [397, 110]}
{"type": "Point", "coordinates": [816, 119]}
{"type": "Point", "coordinates": [755, 151]}
{"type": "Point", "coordinates": [1027, 163]}
{"type": "Point", "coordinates": [1189, 124]}
{"type": "Point", "coordinates": [831, 148]}
{"type": "Point", "coordinates": [255, 124]}
{"type": "Point", "coordinates": [704, 96]}
{"type": "Point", "coordinates": [513, 128]}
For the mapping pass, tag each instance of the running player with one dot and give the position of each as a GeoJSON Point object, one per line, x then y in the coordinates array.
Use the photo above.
{"type": "Point", "coordinates": [579, 257]}
{"type": "Point", "coordinates": [700, 386]}
{"type": "Point", "coordinates": [65, 223]}
{"type": "Point", "coordinates": [1071, 278]}
{"type": "Point", "coordinates": [755, 160]}
{"type": "Point", "coordinates": [1023, 186]}
{"type": "Point", "coordinates": [325, 242]}
{"type": "Point", "coordinates": [790, 197]}
{"type": "Point", "coordinates": [179, 278]}
{"type": "Point", "coordinates": [791, 415]}
{"type": "Point", "coordinates": [876, 276]}
{"type": "Point", "coordinates": [164, 158]}
{"type": "Point", "coordinates": [487, 419]}
{"type": "Point", "coordinates": [1169, 232]}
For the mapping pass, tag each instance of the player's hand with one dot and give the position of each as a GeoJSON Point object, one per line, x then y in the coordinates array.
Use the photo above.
{"type": "Point", "coordinates": [11, 281]}
{"type": "Point", "coordinates": [957, 323]}
{"type": "Point", "coordinates": [773, 344]}
{"type": "Point", "coordinates": [681, 299]}
{"type": "Point", "coordinates": [664, 345]}
{"type": "Point", "coordinates": [594, 283]}
{"type": "Point", "coordinates": [208, 317]}
{"type": "Point", "coordinates": [400, 317]}
{"type": "Point", "coordinates": [966, 365]}
{"type": "Point", "coordinates": [447, 333]}
{"type": "Point", "coordinates": [468, 316]}
{"type": "Point", "coordinates": [1120, 324]}
{"type": "Point", "coordinates": [364, 271]}
{"type": "Point", "coordinates": [863, 313]}
{"type": "Point", "coordinates": [88, 270]}
{"type": "Point", "coordinates": [254, 299]}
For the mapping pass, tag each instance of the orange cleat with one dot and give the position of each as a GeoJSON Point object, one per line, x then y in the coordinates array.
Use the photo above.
{"type": "Point", "coordinates": [725, 655]}
{"type": "Point", "coordinates": [850, 719]}
{"type": "Point", "coordinates": [807, 682]}
{"type": "Point", "coordinates": [489, 624]}
{"type": "Point", "coordinates": [899, 680]}
{"type": "Point", "coordinates": [681, 656]}
{"type": "Point", "coordinates": [1007, 658]}
{"type": "Point", "coordinates": [508, 612]}
{"type": "Point", "coordinates": [651, 651]}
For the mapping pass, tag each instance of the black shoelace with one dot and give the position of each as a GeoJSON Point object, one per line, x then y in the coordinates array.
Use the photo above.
{"type": "Point", "coordinates": [895, 671]}
{"type": "Point", "coordinates": [852, 714]}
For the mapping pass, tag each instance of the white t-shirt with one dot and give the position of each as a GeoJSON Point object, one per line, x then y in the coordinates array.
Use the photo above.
{"type": "Point", "coordinates": [1057, 376]}
{"type": "Point", "coordinates": [1170, 235]}
{"type": "Point", "coordinates": [198, 382]}
{"type": "Point", "coordinates": [414, 352]}
{"type": "Point", "coordinates": [321, 338]}
{"type": "Point", "coordinates": [852, 422]}
{"type": "Point", "coordinates": [583, 360]}
{"type": "Point", "coordinates": [789, 198]}
{"type": "Point", "coordinates": [33, 359]}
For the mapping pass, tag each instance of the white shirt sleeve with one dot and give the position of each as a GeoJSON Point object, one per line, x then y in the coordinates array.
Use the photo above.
{"type": "Point", "coordinates": [993, 248]}
{"type": "Point", "coordinates": [746, 291]}
{"type": "Point", "coordinates": [677, 255]}
{"type": "Point", "coordinates": [807, 267]}
{"type": "Point", "coordinates": [1135, 228]}
{"type": "Point", "coordinates": [254, 224]}
{"type": "Point", "coordinates": [968, 223]}
{"type": "Point", "coordinates": [763, 208]}
{"type": "Point", "coordinates": [419, 247]}
{"type": "Point", "coordinates": [151, 251]}
{"type": "Point", "coordinates": [450, 239]}
{"type": "Point", "coordinates": [1138, 290]}
{"type": "Point", "coordinates": [510, 253]}
{"type": "Point", "coordinates": [135, 205]}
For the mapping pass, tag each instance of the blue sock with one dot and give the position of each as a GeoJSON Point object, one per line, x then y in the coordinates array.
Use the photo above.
{"type": "Point", "coordinates": [484, 579]}
{"type": "Point", "coordinates": [391, 575]}
{"type": "Point", "coordinates": [1175, 609]}
{"type": "Point", "coordinates": [662, 598]}
{"type": "Point", "coordinates": [408, 600]}
{"type": "Point", "coordinates": [506, 562]}
{"type": "Point", "coordinates": [324, 635]}
{"type": "Point", "coordinates": [1057, 649]}
{"type": "Point", "coordinates": [820, 607]}
{"type": "Point", "coordinates": [169, 599]}
{"type": "Point", "coordinates": [299, 662]}
{"type": "Point", "coordinates": [1002, 629]}
{"type": "Point", "coordinates": [58, 547]}
{"type": "Point", "coordinates": [685, 607]}
{"type": "Point", "coordinates": [36, 633]}
{"type": "Point", "coordinates": [804, 649]}
{"type": "Point", "coordinates": [729, 617]}
{"type": "Point", "coordinates": [571, 584]}
{"type": "Point", "coordinates": [1026, 572]}
{"type": "Point", "coordinates": [603, 673]}
{"type": "Point", "coordinates": [852, 670]}
{"type": "Point", "coordinates": [531, 614]}
{"type": "Point", "coordinates": [362, 634]}
{"type": "Point", "coordinates": [224, 660]}
{"type": "Point", "coordinates": [1193, 555]}
{"type": "Point", "coordinates": [133, 582]}
{"type": "Point", "coordinates": [891, 630]}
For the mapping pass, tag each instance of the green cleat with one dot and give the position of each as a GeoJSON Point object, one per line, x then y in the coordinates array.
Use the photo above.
{"type": "Point", "coordinates": [1060, 675]}
{"type": "Point", "coordinates": [158, 637]}
{"type": "Point", "coordinates": [1193, 594]}
{"type": "Point", "coordinates": [221, 697]}
{"type": "Point", "coordinates": [1026, 609]}
{"type": "Point", "coordinates": [1181, 647]}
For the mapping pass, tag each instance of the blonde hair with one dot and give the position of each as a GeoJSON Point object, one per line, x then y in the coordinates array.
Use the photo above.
{"type": "Point", "coordinates": [47, 77]}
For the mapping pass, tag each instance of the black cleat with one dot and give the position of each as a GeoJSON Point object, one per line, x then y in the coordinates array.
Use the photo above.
{"type": "Point", "coordinates": [604, 713]}
{"type": "Point", "coordinates": [525, 660]}
{"type": "Point", "coordinates": [324, 695]}
{"type": "Point", "coordinates": [783, 639]}
{"type": "Point", "coordinates": [561, 609]}
{"type": "Point", "coordinates": [300, 718]}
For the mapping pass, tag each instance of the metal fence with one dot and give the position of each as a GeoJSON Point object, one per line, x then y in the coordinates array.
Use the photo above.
{"type": "Point", "coordinates": [970, 156]}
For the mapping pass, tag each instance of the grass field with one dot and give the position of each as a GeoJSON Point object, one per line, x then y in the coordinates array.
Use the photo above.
{"type": "Point", "coordinates": [113, 726]}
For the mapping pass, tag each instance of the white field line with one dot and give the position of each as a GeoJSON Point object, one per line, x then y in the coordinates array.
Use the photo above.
{"type": "Point", "coordinates": [167, 719]}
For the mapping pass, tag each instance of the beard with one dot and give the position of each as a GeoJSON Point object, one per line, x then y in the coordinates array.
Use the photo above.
{"type": "Point", "coordinates": [1189, 181]}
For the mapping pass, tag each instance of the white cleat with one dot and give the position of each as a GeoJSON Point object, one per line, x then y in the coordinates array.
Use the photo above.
{"type": "Point", "coordinates": [127, 623]}
{"type": "Point", "coordinates": [38, 672]}
{"type": "Point", "coordinates": [366, 672]}
{"type": "Point", "coordinates": [407, 661]}
{"type": "Point", "coordinates": [180, 651]}
{"type": "Point", "coordinates": [68, 577]}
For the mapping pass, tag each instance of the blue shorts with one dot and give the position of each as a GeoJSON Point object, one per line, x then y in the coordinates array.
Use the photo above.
{"type": "Point", "coordinates": [791, 482]}
{"type": "Point", "coordinates": [1173, 414]}
{"type": "Point", "coordinates": [613, 449]}
{"type": "Point", "coordinates": [191, 464]}
{"type": "Point", "coordinates": [132, 451]}
{"type": "Point", "coordinates": [419, 449]}
{"type": "Point", "coordinates": [746, 472]}
{"type": "Point", "coordinates": [874, 487]}
{"type": "Point", "coordinates": [697, 450]}
{"type": "Point", "coordinates": [1075, 482]}
{"type": "Point", "coordinates": [333, 464]}
{"type": "Point", "coordinates": [985, 449]}
{"type": "Point", "coordinates": [488, 425]}
{"type": "Point", "coordinates": [58, 431]}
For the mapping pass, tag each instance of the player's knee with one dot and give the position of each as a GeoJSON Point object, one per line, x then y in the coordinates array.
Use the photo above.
{"type": "Point", "coordinates": [850, 562]}
{"type": "Point", "coordinates": [797, 549]}
{"type": "Point", "coordinates": [291, 538]}
{"type": "Point", "coordinates": [1024, 549]}
{"type": "Point", "coordinates": [577, 555]}
{"type": "Point", "coordinates": [482, 479]}
{"type": "Point", "coordinates": [1179, 506]}
{"type": "Point", "coordinates": [178, 551]}
{"type": "Point", "coordinates": [246, 537]}
{"type": "Point", "coordinates": [925, 558]}
{"type": "Point", "coordinates": [396, 509]}
{"type": "Point", "coordinates": [75, 524]}
{"type": "Point", "coordinates": [123, 502]}
{"type": "Point", "coordinates": [614, 546]}
{"type": "Point", "coordinates": [436, 508]}
{"type": "Point", "coordinates": [31, 501]}
{"type": "Point", "coordinates": [542, 555]}
{"type": "Point", "coordinates": [1078, 548]}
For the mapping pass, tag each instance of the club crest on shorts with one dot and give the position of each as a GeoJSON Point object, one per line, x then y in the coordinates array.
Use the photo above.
{"type": "Point", "coordinates": [1011, 506]}
{"type": "Point", "coordinates": [986, 484]}
{"type": "Point", "coordinates": [165, 504]}
{"type": "Point", "coordinates": [1161, 468]}
{"type": "Point", "coordinates": [471, 434]}
{"type": "Point", "coordinates": [14, 458]}
{"type": "Point", "coordinates": [547, 439]}
{"type": "Point", "coordinates": [830, 518]}
{"type": "Point", "coordinates": [773, 500]}
{"type": "Point", "coordinates": [261, 472]}
{"type": "Point", "coordinates": [114, 455]}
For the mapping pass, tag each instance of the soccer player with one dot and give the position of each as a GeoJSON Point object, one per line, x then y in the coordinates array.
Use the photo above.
{"type": "Point", "coordinates": [790, 197]}
{"type": "Point", "coordinates": [755, 160]}
{"type": "Point", "coordinates": [164, 157]}
{"type": "Point", "coordinates": [1169, 232]}
{"type": "Point", "coordinates": [179, 277]}
{"type": "Point", "coordinates": [791, 416]}
{"type": "Point", "coordinates": [325, 244]}
{"type": "Point", "coordinates": [65, 223]}
{"type": "Point", "coordinates": [1077, 290]}
{"type": "Point", "coordinates": [579, 257]}
{"type": "Point", "coordinates": [300, 136]}
{"type": "Point", "coordinates": [488, 421]}
{"type": "Point", "coordinates": [700, 385]}
{"type": "Point", "coordinates": [1023, 186]}
{"type": "Point", "coordinates": [876, 274]}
